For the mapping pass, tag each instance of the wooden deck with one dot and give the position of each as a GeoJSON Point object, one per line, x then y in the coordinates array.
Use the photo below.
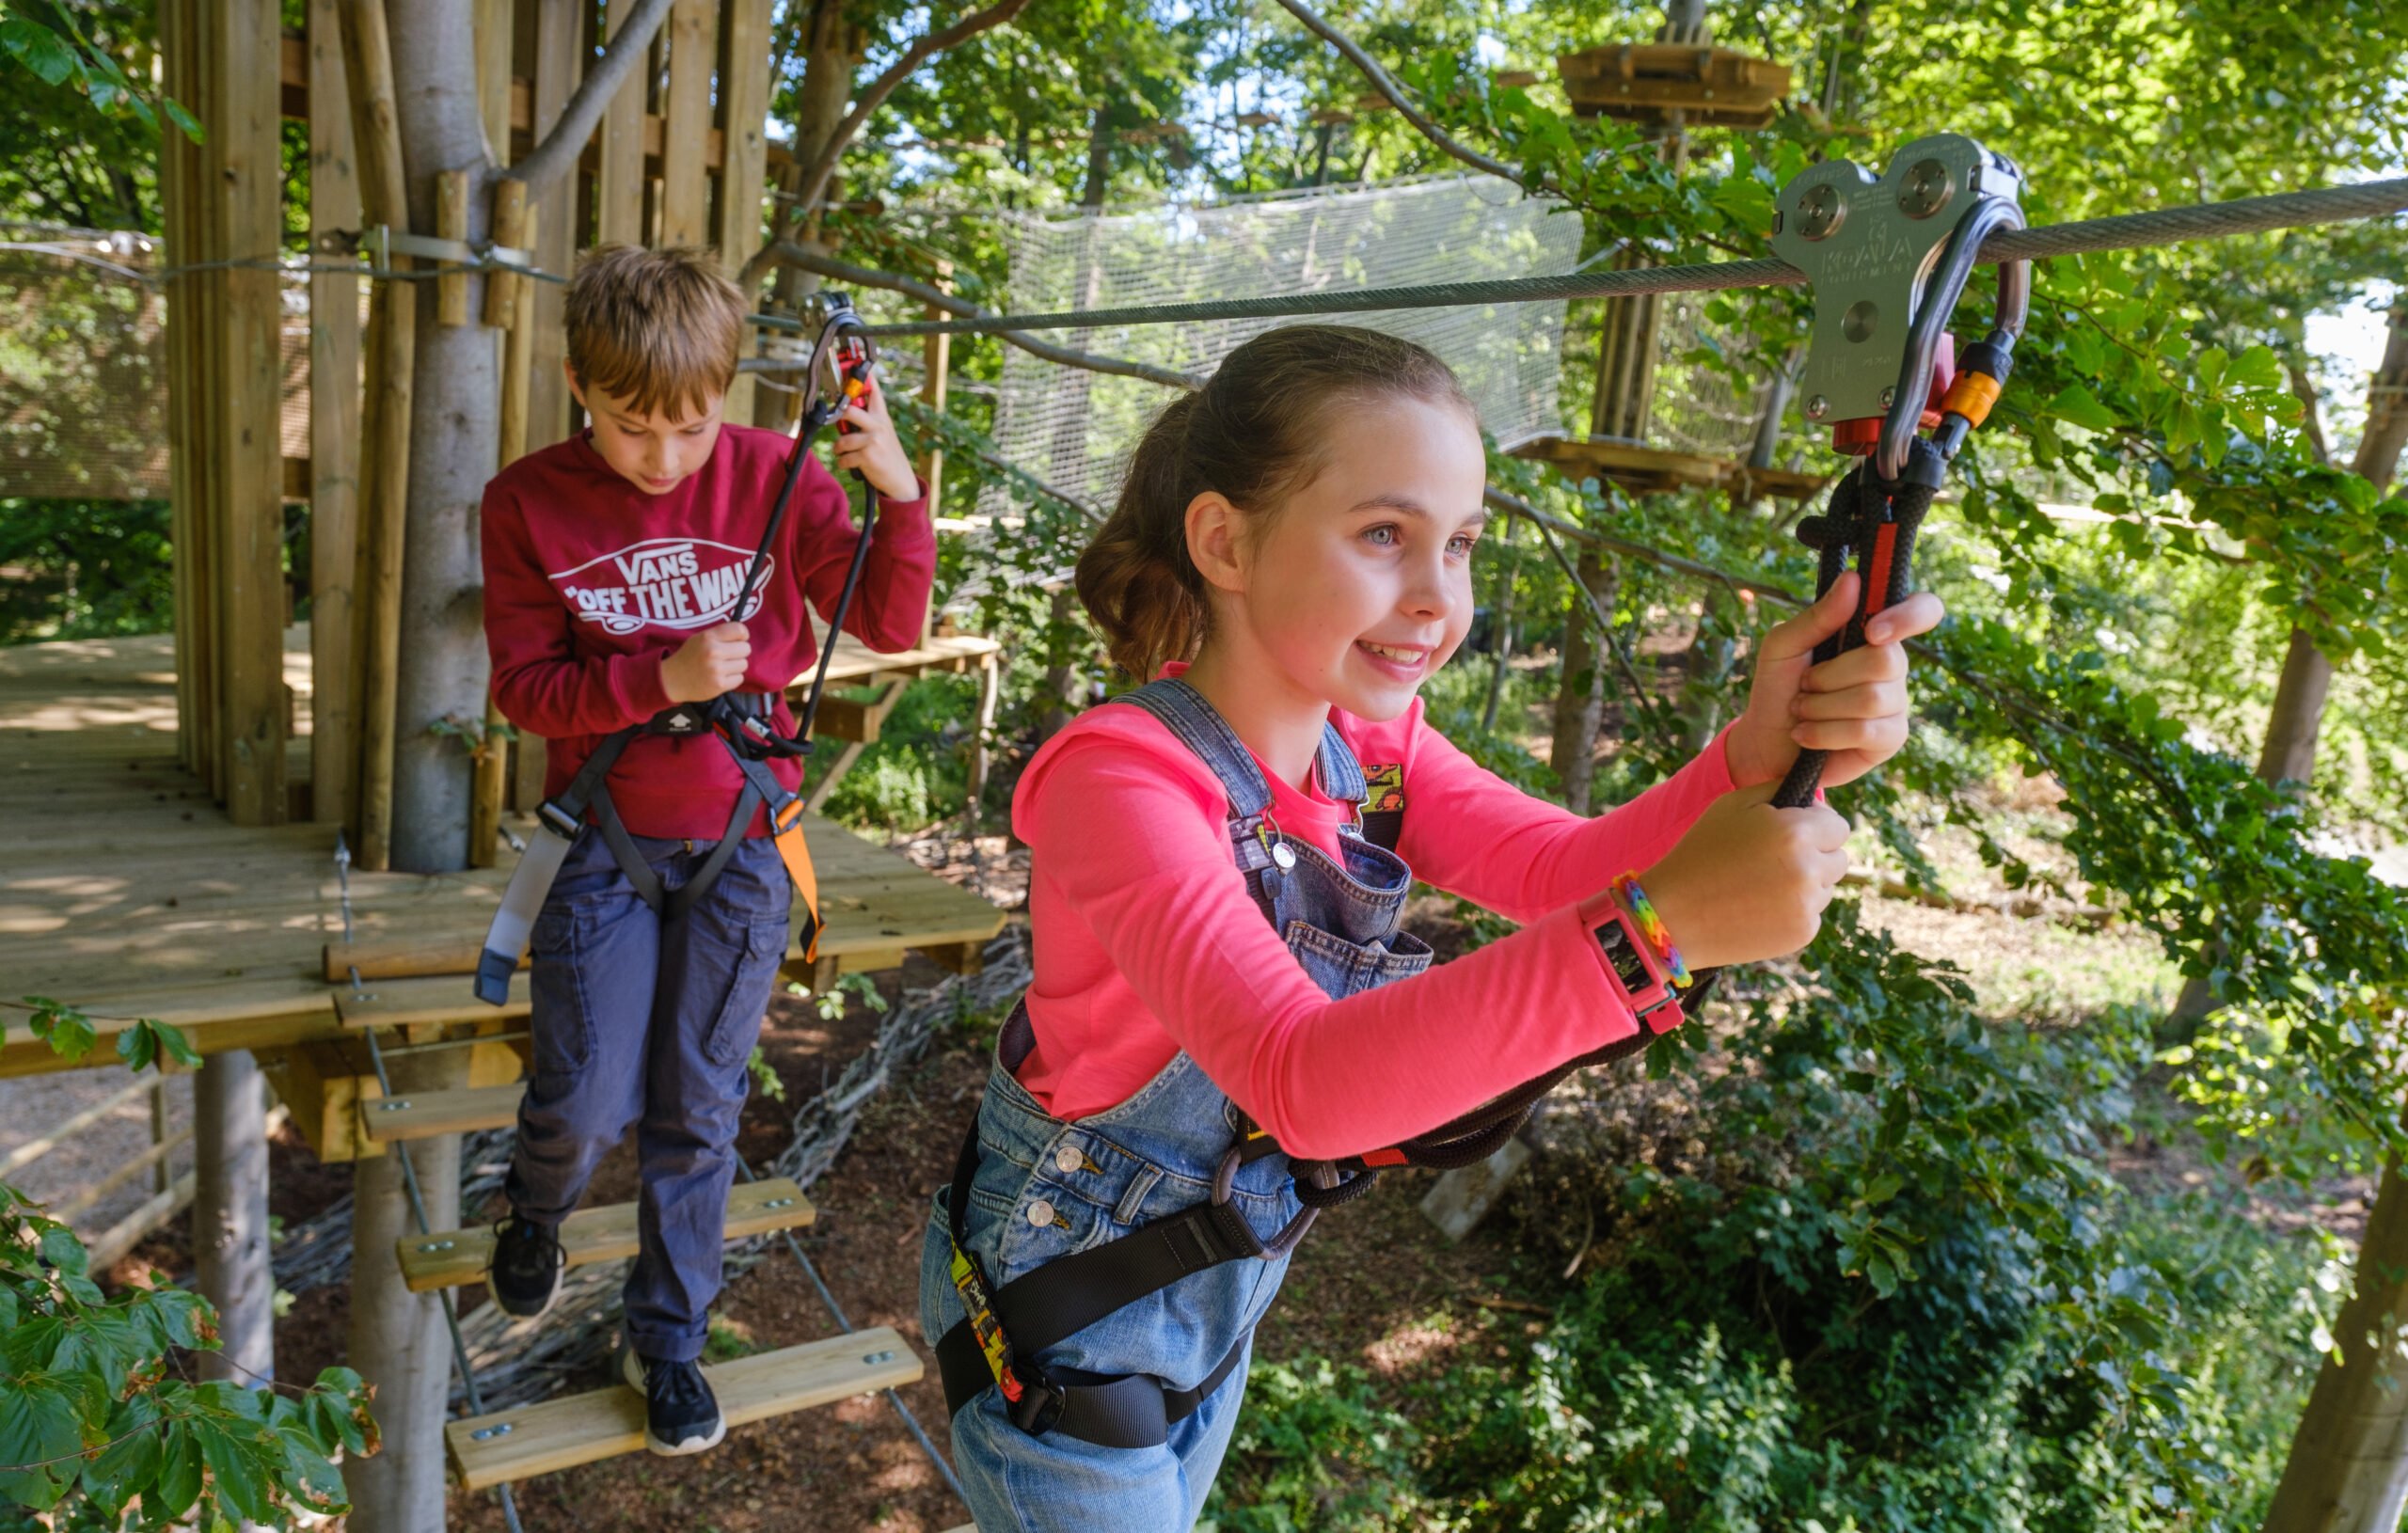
{"type": "Point", "coordinates": [125, 891]}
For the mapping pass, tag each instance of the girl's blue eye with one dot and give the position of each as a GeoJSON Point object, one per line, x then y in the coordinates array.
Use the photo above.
{"type": "Point", "coordinates": [1383, 534]}
{"type": "Point", "coordinates": [1462, 545]}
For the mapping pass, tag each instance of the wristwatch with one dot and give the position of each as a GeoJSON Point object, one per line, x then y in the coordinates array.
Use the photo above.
{"type": "Point", "coordinates": [1639, 974]}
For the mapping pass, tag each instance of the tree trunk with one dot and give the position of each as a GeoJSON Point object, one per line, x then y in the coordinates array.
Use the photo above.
{"type": "Point", "coordinates": [2348, 1470]}
{"type": "Point", "coordinates": [455, 434]}
{"type": "Point", "coordinates": [2344, 1475]}
{"type": "Point", "coordinates": [2289, 753]}
{"type": "Point", "coordinates": [397, 1339]}
{"type": "Point", "coordinates": [229, 1230]}
{"type": "Point", "coordinates": [1580, 701]}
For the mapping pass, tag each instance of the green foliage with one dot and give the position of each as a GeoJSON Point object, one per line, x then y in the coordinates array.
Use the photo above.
{"type": "Point", "coordinates": [97, 1414]}
{"type": "Point", "coordinates": [55, 50]}
{"type": "Point", "coordinates": [1902, 1291]}
{"type": "Point", "coordinates": [918, 771]}
{"type": "Point", "coordinates": [83, 569]}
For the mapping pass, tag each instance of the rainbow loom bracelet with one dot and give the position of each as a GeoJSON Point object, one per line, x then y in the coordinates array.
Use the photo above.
{"type": "Point", "coordinates": [1651, 926]}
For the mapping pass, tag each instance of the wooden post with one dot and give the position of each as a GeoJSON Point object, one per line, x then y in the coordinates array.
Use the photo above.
{"type": "Point", "coordinates": [334, 438]}
{"type": "Point", "coordinates": [685, 123]}
{"type": "Point", "coordinates": [396, 1338]}
{"type": "Point", "coordinates": [744, 87]}
{"type": "Point", "coordinates": [392, 349]}
{"type": "Point", "coordinates": [177, 169]}
{"type": "Point", "coordinates": [620, 181]}
{"type": "Point", "coordinates": [559, 29]}
{"type": "Point", "coordinates": [230, 1228]}
{"type": "Point", "coordinates": [509, 227]}
{"type": "Point", "coordinates": [514, 224]}
{"type": "Point", "coordinates": [494, 30]}
{"type": "Point", "coordinates": [244, 364]}
{"type": "Point", "coordinates": [936, 357]}
{"type": "Point", "coordinates": [451, 223]}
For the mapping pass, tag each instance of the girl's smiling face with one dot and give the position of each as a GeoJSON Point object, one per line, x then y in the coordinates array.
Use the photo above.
{"type": "Point", "coordinates": [1359, 587]}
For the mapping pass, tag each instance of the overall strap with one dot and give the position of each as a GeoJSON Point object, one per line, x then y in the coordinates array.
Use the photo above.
{"type": "Point", "coordinates": [1200, 727]}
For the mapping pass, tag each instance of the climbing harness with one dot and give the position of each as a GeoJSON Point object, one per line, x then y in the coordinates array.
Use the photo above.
{"type": "Point", "coordinates": [1004, 1328]}
{"type": "Point", "coordinates": [1890, 255]}
{"type": "Point", "coordinates": [838, 372]}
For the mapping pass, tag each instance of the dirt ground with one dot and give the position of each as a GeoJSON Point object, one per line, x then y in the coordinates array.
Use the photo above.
{"type": "Point", "coordinates": [1375, 1284]}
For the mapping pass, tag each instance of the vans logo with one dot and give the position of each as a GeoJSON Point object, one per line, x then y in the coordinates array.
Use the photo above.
{"type": "Point", "coordinates": [674, 583]}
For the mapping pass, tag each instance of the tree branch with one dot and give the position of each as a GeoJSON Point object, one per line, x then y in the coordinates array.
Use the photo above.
{"type": "Point", "coordinates": [814, 183]}
{"type": "Point", "coordinates": [551, 159]}
{"type": "Point", "coordinates": [864, 276]}
{"type": "Point", "coordinates": [1386, 85]}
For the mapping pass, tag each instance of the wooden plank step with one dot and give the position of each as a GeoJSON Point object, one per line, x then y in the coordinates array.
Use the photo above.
{"type": "Point", "coordinates": [453, 1256]}
{"type": "Point", "coordinates": [439, 997]}
{"type": "Point", "coordinates": [423, 1115]}
{"type": "Point", "coordinates": [506, 1445]}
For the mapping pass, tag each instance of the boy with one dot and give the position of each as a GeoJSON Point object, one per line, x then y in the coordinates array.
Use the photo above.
{"type": "Point", "coordinates": [611, 560]}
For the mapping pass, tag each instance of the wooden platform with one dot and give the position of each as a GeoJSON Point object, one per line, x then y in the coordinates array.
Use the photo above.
{"type": "Point", "coordinates": [1644, 82]}
{"type": "Point", "coordinates": [1648, 470]}
{"type": "Point", "coordinates": [125, 891]}
{"type": "Point", "coordinates": [512, 1445]}
{"type": "Point", "coordinates": [453, 1256]}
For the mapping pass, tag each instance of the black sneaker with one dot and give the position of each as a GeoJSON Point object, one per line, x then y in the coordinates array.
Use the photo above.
{"type": "Point", "coordinates": [525, 1275]}
{"type": "Point", "coordinates": [680, 1413]}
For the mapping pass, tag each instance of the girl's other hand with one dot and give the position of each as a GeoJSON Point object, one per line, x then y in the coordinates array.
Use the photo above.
{"type": "Point", "coordinates": [1853, 707]}
{"type": "Point", "coordinates": [1748, 880]}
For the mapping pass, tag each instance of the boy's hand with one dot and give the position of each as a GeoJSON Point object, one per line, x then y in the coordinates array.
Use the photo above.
{"type": "Point", "coordinates": [1853, 707]}
{"type": "Point", "coordinates": [708, 664]}
{"type": "Point", "coordinates": [872, 446]}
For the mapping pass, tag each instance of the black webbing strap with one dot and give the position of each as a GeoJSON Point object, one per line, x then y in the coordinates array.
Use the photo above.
{"type": "Point", "coordinates": [1049, 1304]}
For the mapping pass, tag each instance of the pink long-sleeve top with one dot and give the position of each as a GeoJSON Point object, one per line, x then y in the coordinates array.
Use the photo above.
{"type": "Point", "coordinates": [1147, 943]}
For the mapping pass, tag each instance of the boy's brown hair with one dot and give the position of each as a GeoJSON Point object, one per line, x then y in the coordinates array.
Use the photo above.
{"type": "Point", "coordinates": [659, 329]}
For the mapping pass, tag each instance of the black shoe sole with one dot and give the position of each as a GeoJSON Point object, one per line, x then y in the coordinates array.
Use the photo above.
{"type": "Point", "coordinates": [631, 1374]}
{"type": "Point", "coordinates": [512, 1309]}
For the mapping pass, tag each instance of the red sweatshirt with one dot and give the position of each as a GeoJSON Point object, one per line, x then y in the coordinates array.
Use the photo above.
{"type": "Point", "coordinates": [591, 584]}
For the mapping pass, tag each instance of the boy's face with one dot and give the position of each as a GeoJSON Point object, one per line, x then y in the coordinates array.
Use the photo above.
{"type": "Point", "coordinates": [649, 449]}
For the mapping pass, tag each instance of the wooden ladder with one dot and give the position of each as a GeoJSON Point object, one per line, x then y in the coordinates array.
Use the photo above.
{"type": "Point", "coordinates": [450, 1258]}
{"type": "Point", "coordinates": [504, 1445]}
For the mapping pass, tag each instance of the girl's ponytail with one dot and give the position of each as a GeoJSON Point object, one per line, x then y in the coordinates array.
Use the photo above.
{"type": "Point", "coordinates": [1252, 433]}
{"type": "Point", "coordinates": [1135, 577]}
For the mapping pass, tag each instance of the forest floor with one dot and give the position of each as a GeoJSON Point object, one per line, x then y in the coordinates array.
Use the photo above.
{"type": "Point", "coordinates": [1375, 1286]}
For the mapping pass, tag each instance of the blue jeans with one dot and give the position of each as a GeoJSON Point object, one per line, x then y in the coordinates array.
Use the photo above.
{"type": "Point", "coordinates": [645, 1024]}
{"type": "Point", "coordinates": [1088, 1182]}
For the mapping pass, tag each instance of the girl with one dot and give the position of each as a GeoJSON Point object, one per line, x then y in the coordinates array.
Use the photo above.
{"type": "Point", "coordinates": [1222, 993]}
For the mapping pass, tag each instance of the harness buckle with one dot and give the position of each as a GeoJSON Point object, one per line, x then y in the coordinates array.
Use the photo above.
{"type": "Point", "coordinates": [558, 820]}
{"type": "Point", "coordinates": [1040, 1404]}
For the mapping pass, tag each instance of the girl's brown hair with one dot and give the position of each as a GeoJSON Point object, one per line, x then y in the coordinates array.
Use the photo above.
{"type": "Point", "coordinates": [1252, 433]}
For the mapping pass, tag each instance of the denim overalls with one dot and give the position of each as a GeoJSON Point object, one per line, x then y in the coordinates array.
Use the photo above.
{"type": "Point", "coordinates": [1044, 1188]}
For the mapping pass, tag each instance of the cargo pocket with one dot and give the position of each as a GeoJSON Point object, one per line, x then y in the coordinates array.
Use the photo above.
{"type": "Point", "coordinates": [560, 1027]}
{"type": "Point", "coordinates": [751, 975]}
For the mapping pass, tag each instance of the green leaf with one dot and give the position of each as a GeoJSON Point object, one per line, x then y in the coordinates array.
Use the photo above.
{"type": "Point", "coordinates": [1883, 1188]}
{"type": "Point", "coordinates": [2257, 368]}
{"type": "Point", "coordinates": [38, 49]}
{"type": "Point", "coordinates": [130, 1462]}
{"type": "Point", "coordinates": [2209, 367]}
{"type": "Point", "coordinates": [40, 1420]}
{"type": "Point", "coordinates": [178, 1470]}
{"type": "Point", "coordinates": [2078, 405]}
{"type": "Point", "coordinates": [137, 1047]}
{"type": "Point", "coordinates": [239, 1459]}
